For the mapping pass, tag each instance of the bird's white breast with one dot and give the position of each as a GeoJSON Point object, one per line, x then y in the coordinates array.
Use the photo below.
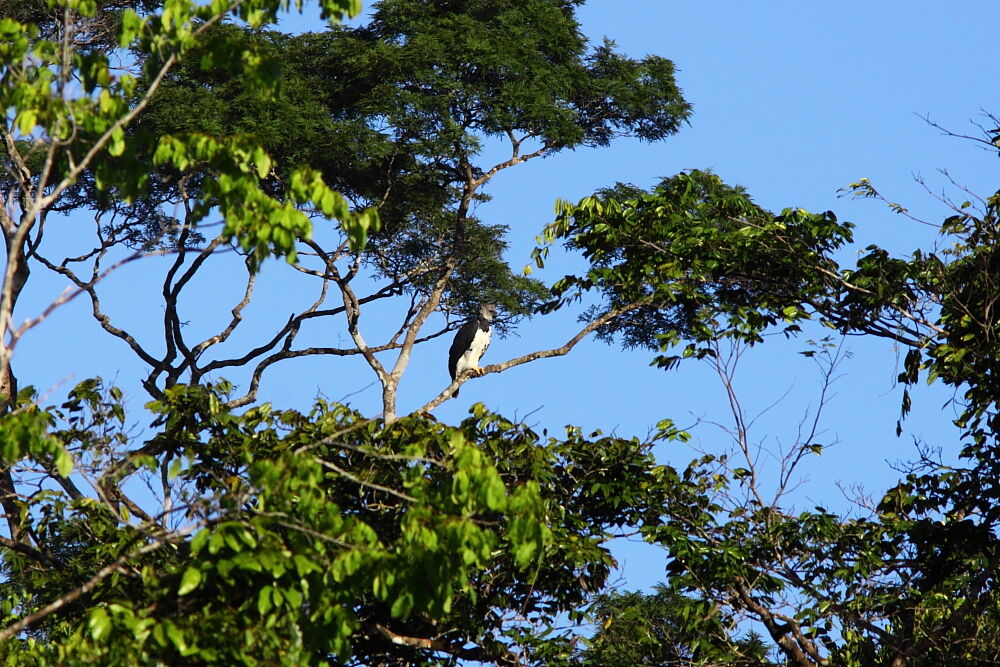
{"type": "Point", "coordinates": [470, 359]}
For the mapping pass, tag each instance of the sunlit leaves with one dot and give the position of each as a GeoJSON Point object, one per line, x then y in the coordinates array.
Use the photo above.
{"type": "Point", "coordinates": [699, 257]}
{"type": "Point", "coordinates": [92, 118]}
{"type": "Point", "coordinates": [527, 533]}
{"type": "Point", "coordinates": [348, 523]}
{"type": "Point", "coordinates": [709, 264]}
{"type": "Point", "coordinates": [260, 224]}
{"type": "Point", "coordinates": [99, 624]}
{"type": "Point", "coordinates": [305, 537]}
{"type": "Point", "coordinates": [14, 40]}
{"type": "Point", "coordinates": [131, 26]}
{"type": "Point", "coordinates": [24, 432]}
{"type": "Point", "coordinates": [400, 525]}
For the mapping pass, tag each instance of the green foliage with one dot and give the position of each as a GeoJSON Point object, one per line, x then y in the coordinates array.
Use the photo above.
{"type": "Point", "coordinates": [662, 629]}
{"type": "Point", "coordinates": [694, 260]}
{"type": "Point", "coordinates": [89, 146]}
{"type": "Point", "coordinates": [275, 536]}
{"type": "Point", "coordinates": [280, 537]}
{"type": "Point", "coordinates": [532, 74]}
{"type": "Point", "coordinates": [24, 434]}
{"type": "Point", "coordinates": [102, 21]}
{"type": "Point", "coordinates": [394, 114]}
{"type": "Point", "coordinates": [309, 537]}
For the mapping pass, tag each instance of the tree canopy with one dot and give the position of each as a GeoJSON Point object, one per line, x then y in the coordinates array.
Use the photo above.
{"type": "Point", "coordinates": [233, 531]}
{"type": "Point", "coordinates": [912, 581]}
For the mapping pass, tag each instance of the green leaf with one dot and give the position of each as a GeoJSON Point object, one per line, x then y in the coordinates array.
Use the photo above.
{"type": "Point", "coordinates": [263, 163]}
{"type": "Point", "coordinates": [26, 120]}
{"type": "Point", "coordinates": [264, 603]}
{"type": "Point", "coordinates": [177, 638]}
{"type": "Point", "coordinates": [99, 624]}
{"type": "Point", "coordinates": [64, 462]}
{"type": "Point", "coordinates": [495, 493]}
{"type": "Point", "coordinates": [189, 580]}
{"type": "Point", "coordinates": [116, 146]}
{"type": "Point", "coordinates": [199, 541]}
{"type": "Point", "coordinates": [293, 597]}
{"type": "Point", "coordinates": [131, 25]}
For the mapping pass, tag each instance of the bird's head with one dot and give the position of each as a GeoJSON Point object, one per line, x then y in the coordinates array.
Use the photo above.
{"type": "Point", "coordinates": [488, 311]}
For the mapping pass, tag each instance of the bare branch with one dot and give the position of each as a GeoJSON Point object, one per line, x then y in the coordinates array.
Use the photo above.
{"type": "Point", "coordinates": [409, 339]}
{"type": "Point", "coordinates": [102, 318]}
{"type": "Point", "coordinates": [173, 338]}
{"type": "Point", "coordinates": [264, 364]}
{"type": "Point", "coordinates": [70, 294]}
{"type": "Point", "coordinates": [237, 313]}
{"type": "Point", "coordinates": [984, 142]}
{"type": "Point", "coordinates": [20, 172]}
{"type": "Point", "coordinates": [293, 322]}
{"type": "Point", "coordinates": [515, 159]}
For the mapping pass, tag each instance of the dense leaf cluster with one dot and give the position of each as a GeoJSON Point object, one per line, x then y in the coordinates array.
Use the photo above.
{"type": "Point", "coordinates": [695, 260]}
{"type": "Point", "coordinates": [322, 535]}
{"type": "Point", "coordinates": [395, 113]}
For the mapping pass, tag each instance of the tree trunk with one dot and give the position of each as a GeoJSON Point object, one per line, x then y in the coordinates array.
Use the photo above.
{"type": "Point", "coordinates": [8, 399]}
{"type": "Point", "coordinates": [389, 401]}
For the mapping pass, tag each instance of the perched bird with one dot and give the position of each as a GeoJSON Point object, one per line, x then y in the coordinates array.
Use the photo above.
{"type": "Point", "coordinates": [471, 342]}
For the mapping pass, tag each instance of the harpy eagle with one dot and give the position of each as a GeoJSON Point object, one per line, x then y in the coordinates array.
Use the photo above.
{"type": "Point", "coordinates": [471, 342]}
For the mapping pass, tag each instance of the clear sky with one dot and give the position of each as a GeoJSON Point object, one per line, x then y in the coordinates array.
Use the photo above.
{"type": "Point", "coordinates": [792, 100]}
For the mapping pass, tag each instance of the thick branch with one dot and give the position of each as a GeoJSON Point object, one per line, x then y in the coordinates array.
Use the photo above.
{"type": "Point", "coordinates": [409, 339]}
{"type": "Point", "coordinates": [352, 307]}
{"type": "Point", "coordinates": [21, 173]}
{"type": "Point", "coordinates": [171, 321]}
{"type": "Point", "coordinates": [779, 631]}
{"type": "Point", "coordinates": [477, 653]}
{"type": "Point", "coordinates": [237, 313]}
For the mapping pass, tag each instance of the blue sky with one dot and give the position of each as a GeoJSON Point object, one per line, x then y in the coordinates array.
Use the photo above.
{"type": "Point", "coordinates": [793, 101]}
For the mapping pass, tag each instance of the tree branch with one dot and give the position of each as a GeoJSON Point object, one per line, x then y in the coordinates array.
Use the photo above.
{"type": "Point", "coordinates": [102, 318]}
{"type": "Point", "coordinates": [26, 550]}
{"type": "Point", "coordinates": [793, 648]}
{"type": "Point", "coordinates": [478, 653]}
{"type": "Point", "coordinates": [541, 354]}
